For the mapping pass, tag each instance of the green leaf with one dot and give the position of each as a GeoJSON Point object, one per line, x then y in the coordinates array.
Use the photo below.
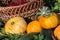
{"type": "Point", "coordinates": [1, 23]}
{"type": "Point", "coordinates": [27, 37]}
{"type": "Point", "coordinates": [38, 37]}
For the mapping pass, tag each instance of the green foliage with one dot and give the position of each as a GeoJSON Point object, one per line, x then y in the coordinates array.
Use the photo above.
{"type": "Point", "coordinates": [4, 36]}
{"type": "Point", "coordinates": [50, 3]}
{"type": "Point", "coordinates": [1, 23]}
{"type": "Point", "coordinates": [47, 34]}
{"type": "Point", "coordinates": [38, 37]}
{"type": "Point", "coordinates": [57, 6]}
{"type": "Point", "coordinates": [27, 37]}
{"type": "Point", "coordinates": [54, 5]}
{"type": "Point", "coordinates": [44, 35]}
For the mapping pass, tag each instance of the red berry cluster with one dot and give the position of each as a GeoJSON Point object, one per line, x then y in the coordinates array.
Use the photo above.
{"type": "Point", "coordinates": [12, 2]}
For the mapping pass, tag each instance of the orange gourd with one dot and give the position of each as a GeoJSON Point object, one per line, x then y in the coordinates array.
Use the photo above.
{"type": "Point", "coordinates": [48, 21]}
{"type": "Point", "coordinates": [57, 32]}
{"type": "Point", "coordinates": [47, 18]}
{"type": "Point", "coordinates": [34, 26]}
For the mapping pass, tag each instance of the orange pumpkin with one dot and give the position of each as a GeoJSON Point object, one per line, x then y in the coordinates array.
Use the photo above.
{"type": "Point", "coordinates": [34, 26]}
{"type": "Point", "coordinates": [57, 32]}
{"type": "Point", "coordinates": [48, 20]}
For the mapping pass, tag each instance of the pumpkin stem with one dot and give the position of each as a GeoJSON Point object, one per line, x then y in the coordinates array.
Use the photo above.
{"type": "Point", "coordinates": [12, 23]}
{"type": "Point", "coordinates": [44, 11]}
{"type": "Point", "coordinates": [47, 15]}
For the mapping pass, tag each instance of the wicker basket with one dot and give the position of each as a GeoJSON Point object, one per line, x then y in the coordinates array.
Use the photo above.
{"type": "Point", "coordinates": [27, 10]}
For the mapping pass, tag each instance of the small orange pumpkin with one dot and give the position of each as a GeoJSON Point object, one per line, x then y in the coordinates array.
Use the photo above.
{"type": "Point", "coordinates": [34, 26]}
{"type": "Point", "coordinates": [57, 32]}
{"type": "Point", "coordinates": [48, 20]}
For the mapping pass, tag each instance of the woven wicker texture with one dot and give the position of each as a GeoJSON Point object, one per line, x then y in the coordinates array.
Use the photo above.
{"type": "Point", "coordinates": [27, 10]}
